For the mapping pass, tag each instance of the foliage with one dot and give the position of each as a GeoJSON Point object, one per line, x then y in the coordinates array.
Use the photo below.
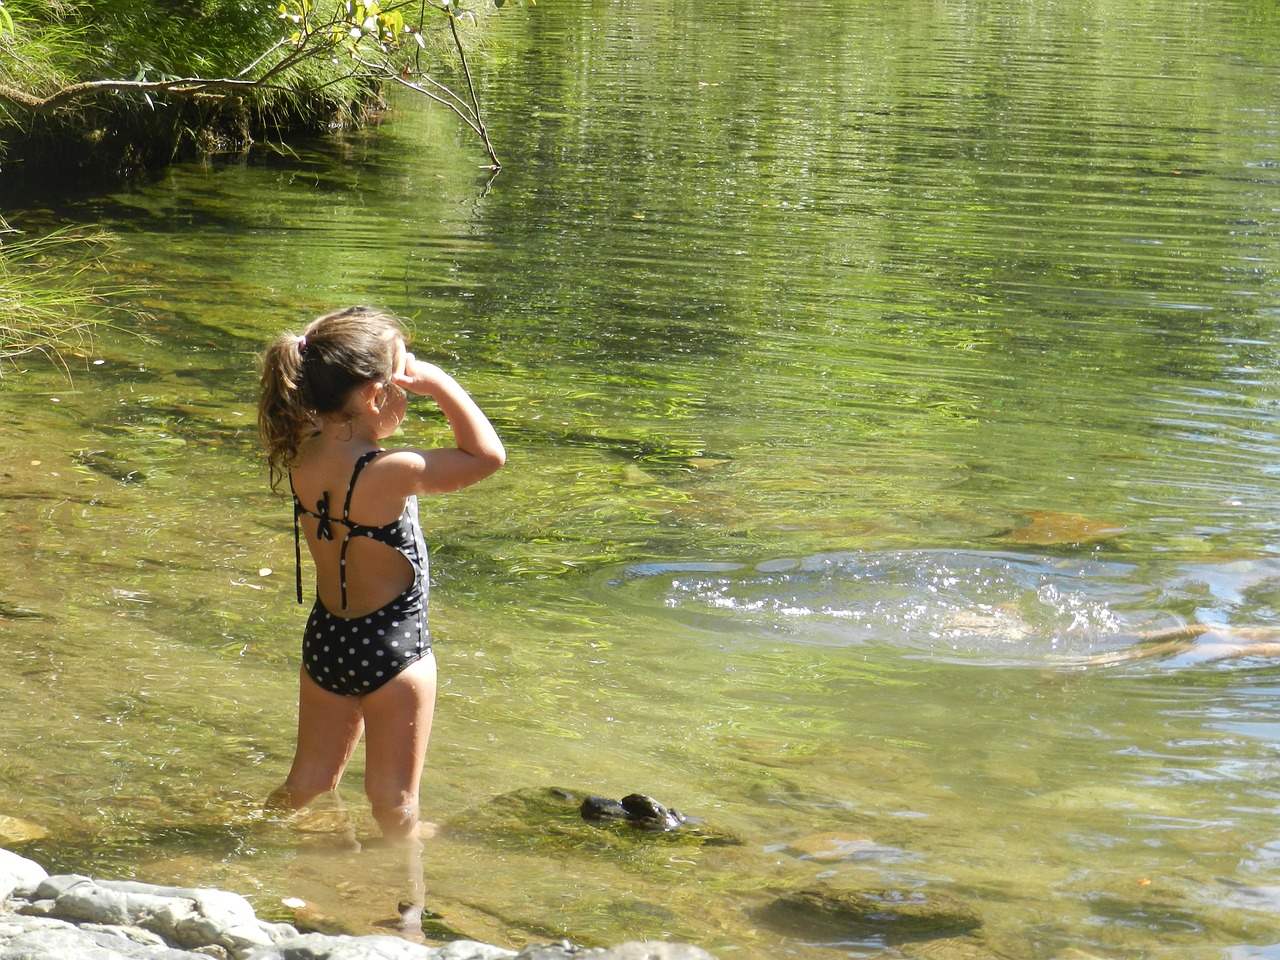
{"type": "Point", "coordinates": [373, 36]}
{"type": "Point", "coordinates": [67, 62]}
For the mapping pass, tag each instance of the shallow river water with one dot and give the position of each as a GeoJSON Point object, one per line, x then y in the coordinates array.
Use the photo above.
{"type": "Point", "coordinates": [875, 378]}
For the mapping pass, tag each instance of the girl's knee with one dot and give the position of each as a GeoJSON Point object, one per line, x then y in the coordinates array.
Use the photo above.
{"type": "Point", "coordinates": [299, 790]}
{"type": "Point", "coordinates": [397, 820]}
{"type": "Point", "coordinates": [390, 796]}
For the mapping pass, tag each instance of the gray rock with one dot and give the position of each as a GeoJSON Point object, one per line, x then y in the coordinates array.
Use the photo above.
{"type": "Point", "coordinates": [180, 916]}
{"type": "Point", "coordinates": [40, 938]}
{"type": "Point", "coordinates": [73, 917]}
{"type": "Point", "coordinates": [471, 950]}
{"type": "Point", "coordinates": [136, 934]}
{"type": "Point", "coordinates": [18, 875]}
{"type": "Point", "coordinates": [319, 946]}
{"type": "Point", "coordinates": [633, 950]}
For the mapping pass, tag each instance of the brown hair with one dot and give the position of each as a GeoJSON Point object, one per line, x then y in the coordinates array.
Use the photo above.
{"type": "Point", "coordinates": [314, 373]}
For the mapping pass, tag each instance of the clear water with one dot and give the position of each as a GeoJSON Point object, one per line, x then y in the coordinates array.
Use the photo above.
{"type": "Point", "coordinates": [867, 371]}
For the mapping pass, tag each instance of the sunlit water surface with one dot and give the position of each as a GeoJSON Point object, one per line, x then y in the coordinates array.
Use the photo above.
{"type": "Point", "coordinates": [875, 378]}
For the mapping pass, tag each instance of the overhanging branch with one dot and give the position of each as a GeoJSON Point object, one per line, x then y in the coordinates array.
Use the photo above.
{"type": "Point", "coordinates": [68, 95]}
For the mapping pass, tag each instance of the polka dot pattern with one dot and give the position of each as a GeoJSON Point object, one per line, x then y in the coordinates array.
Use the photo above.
{"type": "Point", "coordinates": [355, 656]}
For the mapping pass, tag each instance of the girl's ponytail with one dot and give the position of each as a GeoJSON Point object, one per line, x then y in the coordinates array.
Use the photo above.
{"type": "Point", "coordinates": [313, 374]}
{"type": "Point", "coordinates": [284, 418]}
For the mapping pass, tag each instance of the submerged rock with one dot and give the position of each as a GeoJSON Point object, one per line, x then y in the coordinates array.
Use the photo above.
{"type": "Point", "coordinates": [17, 830]}
{"type": "Point", "coordinates": [892, 914]}
{"type": "Point", "coordinates": [554, 815]}
{"type": "Point", "coordinates": [841, 847]}
{"type": "Point", "coordinates": [636, 809]}
{"type": "Point", "coordinates": [1049, 528]}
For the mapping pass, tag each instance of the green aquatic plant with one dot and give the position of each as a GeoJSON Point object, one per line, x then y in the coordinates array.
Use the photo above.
{"type": "Point", "coordinates": [55, 291]}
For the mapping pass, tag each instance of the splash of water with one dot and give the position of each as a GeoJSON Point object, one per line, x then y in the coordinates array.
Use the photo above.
{"type": "Point", "coordinates": [967, 605]}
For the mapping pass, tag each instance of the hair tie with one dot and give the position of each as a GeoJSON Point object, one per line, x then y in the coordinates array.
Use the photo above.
{"type": "Point", "coordinates": [302, 345]}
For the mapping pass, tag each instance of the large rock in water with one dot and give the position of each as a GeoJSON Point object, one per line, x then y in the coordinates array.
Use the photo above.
{"type": "Point", "coordinates": [894, 915]}
{"type": "Point", "coordinates": [183, 917]}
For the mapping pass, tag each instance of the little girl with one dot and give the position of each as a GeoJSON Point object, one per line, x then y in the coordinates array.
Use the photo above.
{"type": "Point", "coordinates": [329, 398]}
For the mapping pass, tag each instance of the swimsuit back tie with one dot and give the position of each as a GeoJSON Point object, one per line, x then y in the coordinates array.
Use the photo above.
{"type": "Point", "coordinates": [400, 534]}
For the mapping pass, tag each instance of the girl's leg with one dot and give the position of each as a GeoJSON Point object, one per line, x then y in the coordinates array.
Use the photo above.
{"type": "Point", "coordinates": [397, 720]}
{"type": "Point", "coordinates": [329, 727]}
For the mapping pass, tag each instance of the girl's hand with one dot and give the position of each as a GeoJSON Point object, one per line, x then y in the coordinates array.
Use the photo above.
{"type": "Point", "coordinates": [478, 451]}
{"type": "Point", "coordinates": [418, 376]}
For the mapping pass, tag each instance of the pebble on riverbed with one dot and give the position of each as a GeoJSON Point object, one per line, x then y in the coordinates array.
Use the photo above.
{"type": "Point", "coordinates": [47, 917]}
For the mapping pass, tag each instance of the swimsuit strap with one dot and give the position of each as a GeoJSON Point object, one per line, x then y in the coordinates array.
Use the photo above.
{"type": "Point", "coordinates": [346, 521]}
{"type": "Point", "coordinates": [324, 530]}
{"type": "Point", "coordinates": [297, 538]}
{"type": "Point", "coordinates": [324, 525]}
{"type": "Point", "coordinates": [351, 487]}
{"type": "Point", "coordinates": [297, 546]}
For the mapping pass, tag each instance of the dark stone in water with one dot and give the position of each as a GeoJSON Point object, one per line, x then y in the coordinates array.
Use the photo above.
{"type": "Point", "coordinates": [892, 914]}
{"type": "Point", "coordinates": [642, 812]}
{"type": "Point", "coordinates": [601, 808]}
{"type": "Point", "coordinates": [648, 814]}
{"type": "Point", "coordinates": [109, 465]}
{"type": "Point", "coordinates": [553, 814]}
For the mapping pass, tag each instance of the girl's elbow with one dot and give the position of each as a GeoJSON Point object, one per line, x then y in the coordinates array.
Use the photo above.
{"type": "Point", "coordinates": [495, 459]}
{"type": "Point", "coordinates": [485, 463]}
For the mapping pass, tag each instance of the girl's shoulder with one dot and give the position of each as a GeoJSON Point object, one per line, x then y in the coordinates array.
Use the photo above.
{"type": "Point", "coordinates": [397, 471]}
{"type": "Point", "coordinates": [319, 471]}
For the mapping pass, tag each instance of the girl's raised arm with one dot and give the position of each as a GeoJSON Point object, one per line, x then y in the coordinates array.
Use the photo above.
{"type": "Point", "coordinates": [478, 452]}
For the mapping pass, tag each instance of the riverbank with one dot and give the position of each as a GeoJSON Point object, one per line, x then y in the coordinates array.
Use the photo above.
{"type": "Point", "coordinates": [68, 915]}
{"type": "Point", "coordinates": [92, 94]}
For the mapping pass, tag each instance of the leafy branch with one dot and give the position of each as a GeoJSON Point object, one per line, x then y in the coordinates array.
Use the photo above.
{"type": "Point", "coordinates": [377, 40]}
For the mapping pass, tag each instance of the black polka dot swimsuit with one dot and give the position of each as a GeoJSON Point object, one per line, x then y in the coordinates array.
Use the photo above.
{"type": "Point", "coordinates": [353, 656]}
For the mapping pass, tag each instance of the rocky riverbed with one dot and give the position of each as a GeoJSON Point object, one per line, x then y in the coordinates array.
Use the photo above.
{"type": "Point", "coordinates": [67, 916]}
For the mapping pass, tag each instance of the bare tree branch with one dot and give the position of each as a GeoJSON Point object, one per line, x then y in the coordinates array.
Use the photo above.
{"type": "Point", "coordinates": [185, 87]}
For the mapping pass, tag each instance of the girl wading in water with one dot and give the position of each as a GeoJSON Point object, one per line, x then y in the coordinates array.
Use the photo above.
{"type": "Point", "coordinates": [330, 396]}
